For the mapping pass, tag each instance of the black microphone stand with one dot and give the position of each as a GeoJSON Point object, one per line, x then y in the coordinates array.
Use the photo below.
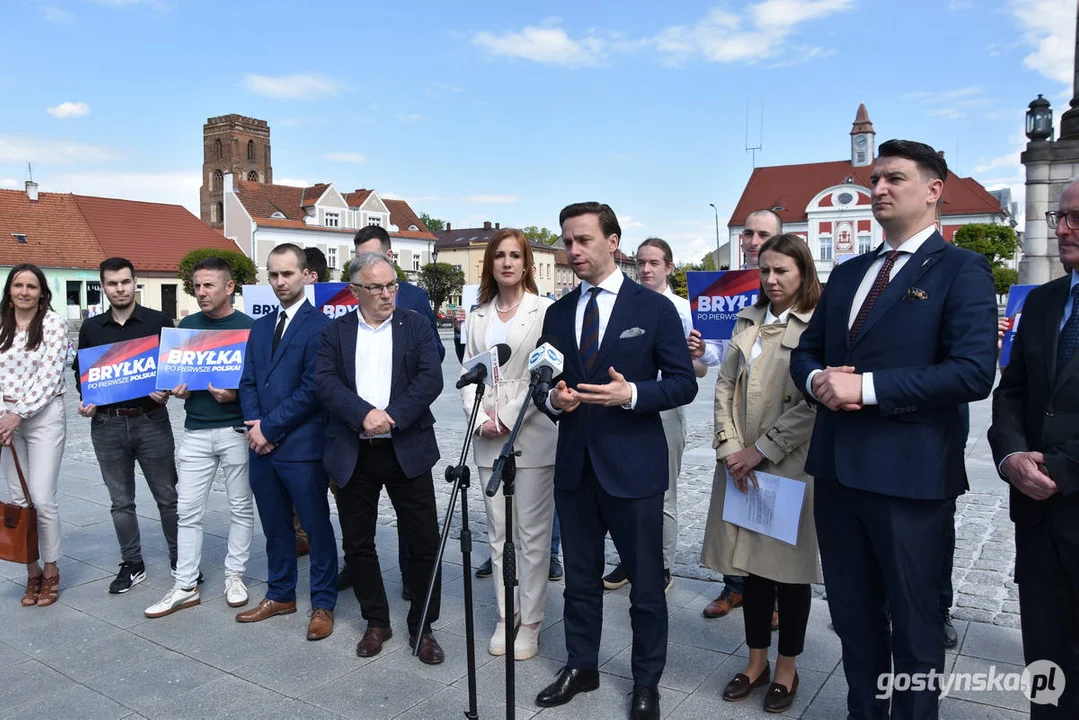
{"type": "Point", "coordinates": [505, 472]}
{"type": "Point", "coordinates": [460, 476]}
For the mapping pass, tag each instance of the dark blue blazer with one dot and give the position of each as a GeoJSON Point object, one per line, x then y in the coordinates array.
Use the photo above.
{"type": "Point", "coordinates": [931, 343]}
{"type": "Point", "coordinates": [280, 390]}
{"type": "Point", "coordinates": [413, 297]}
{"type": "Point", "coordinates": [416, 383]}
{"type": "Point", "coordinates": [627, 448]}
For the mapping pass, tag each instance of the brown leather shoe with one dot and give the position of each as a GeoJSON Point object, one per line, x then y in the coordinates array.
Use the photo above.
{"type": "Point", "coordinates": [266, 609]}
{"type": "Point", "coordinates": [371, 642]}
{"type": "Point", "coordinates": [302, 548]}
{"type": "Point", "coordinates": [430, 651]}
{"type": "Point", "coordinates": [741, 686]}
{"type": "Point", "coordinates": [723, 604]}
{"type": "Point", "coordinates": [321, 625]}
{"type": "Point", "coordinates": [779, 698]}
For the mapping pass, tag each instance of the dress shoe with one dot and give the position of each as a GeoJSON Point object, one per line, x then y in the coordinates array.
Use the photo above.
{"type": "Point", "coordinates": [430, 651]}
{"type": "Point", "coordinates": [302, 548]}
{"type": "Point", "coordinates": [321, 625]}
{"type": "Point", "coordinates": [406, 594]}
{"type": "Point", "coordinates": [741, 686]}
{"type": "Point", "coordinates": [485, 570]}
{"type": "Point", "coordinates": [645, 703]}
{"type": "Point", "coordinates": [266, 609]}
{"type": "Point", "coordinates": [951, 637]}
{"type": "Point", "coordinates": [344, 578]}
{"type": "Point", "coordinates": [555, 572]}
{"type": "Point", "coordinates": [723, 604]}
{"type": "Point", "coordinates": [568, 683]}
{"type": "Point", "coordinates": [779, 698]}
{"type": "Point", "coordinates": [371, 642]}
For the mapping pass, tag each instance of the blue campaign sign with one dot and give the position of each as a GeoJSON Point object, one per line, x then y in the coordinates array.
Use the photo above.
{"type": "Point", "coordinates": [118, 371]}
{"type": "Point", "coordinates": [716, 298]}
{"type": "Point", "coordinates": [1017, 295]}
{"type": "Point", "coordinates": [201, 357]}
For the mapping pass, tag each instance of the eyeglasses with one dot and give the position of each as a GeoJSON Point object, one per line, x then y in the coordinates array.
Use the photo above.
{"type": "Point", "coordinates": [1071, 219]}
{"type": "Point", "coordinates": [376, 289]}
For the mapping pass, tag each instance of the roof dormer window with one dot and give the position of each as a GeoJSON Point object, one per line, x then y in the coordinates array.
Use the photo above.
{"type": "Point", "coordinates": [278, 215]}
{"type": "Point", "coordinates": [19, 237]}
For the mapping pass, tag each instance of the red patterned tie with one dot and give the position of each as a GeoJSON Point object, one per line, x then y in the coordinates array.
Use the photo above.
{"type": "Point", "coordinates": [874, 292]}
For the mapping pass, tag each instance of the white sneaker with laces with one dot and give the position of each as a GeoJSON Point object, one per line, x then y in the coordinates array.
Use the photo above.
{"type": "Point", "coordinates": [526, 644]}
{"type": "Point", "coordinates": [235, 591]}
{"type": "Point", "coordinates": [175, 599]}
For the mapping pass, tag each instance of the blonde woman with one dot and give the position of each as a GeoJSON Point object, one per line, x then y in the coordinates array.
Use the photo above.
{"type": "Point", "coordinates": [510, 311]}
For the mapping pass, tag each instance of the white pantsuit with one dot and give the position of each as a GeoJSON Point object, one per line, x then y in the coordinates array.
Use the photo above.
{"type": "Point", "coordinates": [674, 430]}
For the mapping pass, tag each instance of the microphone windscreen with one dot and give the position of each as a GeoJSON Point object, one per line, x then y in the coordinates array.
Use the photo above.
{"type": "Point", "coordinates": [503, 352]}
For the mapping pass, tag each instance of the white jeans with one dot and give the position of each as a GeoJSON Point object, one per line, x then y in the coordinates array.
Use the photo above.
{"type": "Point", "coordinates": [39, 442]}
{"type": "Point", "coordinates": [674, 430]}
{"type": "Point", "coordinates": [201, 453]}
{"type": "Point", "coordinates": [533, 516]}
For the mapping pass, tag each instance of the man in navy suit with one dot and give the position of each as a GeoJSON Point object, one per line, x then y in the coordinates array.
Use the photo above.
{"type": "Point", "coordinates": [901, 338]}
{"type": "Point", "coordinates": [286, 432]}
{"type": "Point", "coordinates": [611, 463]}
{"type": "Point", "coordinates": [378, 373]}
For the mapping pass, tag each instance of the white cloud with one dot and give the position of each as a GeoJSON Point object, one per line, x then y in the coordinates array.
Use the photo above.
{"type": "Point", "coordinates": [9, 182]}
{"type": "Point", "coordinates": [173, 187]}
{"type": "Point", "coordinates": [56, 15]}
{"type": "Point", "coordinates": [1048, 26]}
{"type": "Point", "coordinates": [628, 223]}
{"type": "Point", "coordinates": [548, 45]}
{"type": "Point", "coordinates": [293, 182]}
{"type": "Point", "coordinates": [301, 86]}
{"type": "Point", "coordinates": [1004, 161]}
{"type": "Point", "coordinates": [946, 113]}
{"type": "Point", "coordinates": [951, 104]}
{"type": "Point", "coordinates": [69, 110]}
{"type": "Point", "coordinates": [345, 157]}
{"type": "Point", "coordinates": [18, 149]}
{"type": "Point", "coordinates": [493, 199]}
{"type": "Point", "coordinates": [411, 199]}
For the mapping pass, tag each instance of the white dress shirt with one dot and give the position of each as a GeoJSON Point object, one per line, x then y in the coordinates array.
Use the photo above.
{"type": "Point", "coordinates": [289, 313]}
{"type": "Point", "coordinates": [769, 319]}
{"type": "Point", "coordinates": [374, 362]}
{"type": "Point", "coordinates": [685, 312]}
{"type": "Point", "coordinates": [906, 250]}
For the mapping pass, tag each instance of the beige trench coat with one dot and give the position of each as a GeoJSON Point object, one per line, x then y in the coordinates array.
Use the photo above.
{"type": "Point", "coordinates": [762, 407]}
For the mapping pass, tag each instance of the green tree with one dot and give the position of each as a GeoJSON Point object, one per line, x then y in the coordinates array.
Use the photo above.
{"type": "Point", "coordinates": [996, 242]}
{"type": "Point", "coordinates": [538, 234]}
{"type": "Point", "coordinates": [678, 282]}
{"type": "Point", "coordinates": [441, 281]}
{"type": "Point", "coordinates": [401, 275]}
{"type": "Point", "coordinates": [1003, 279]}
{"type": "Point", "coordinates": [433, 224]}
{"type": "Point", "coordinates": [243, 270]}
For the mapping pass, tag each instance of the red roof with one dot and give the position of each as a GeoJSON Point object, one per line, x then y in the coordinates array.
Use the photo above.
{"type": "Point", "coordinates": [404, 217]}
{"type": "Point", "coordinates": [56, 232]}
{"type": "Point", "coordinates": [153, 236]}
{"type": "Point", "coordinates": [263, 199]}
{"type": "Point", "coordinates": [793, 186]}
{"type": "Point", "coordinates": [357, 198]}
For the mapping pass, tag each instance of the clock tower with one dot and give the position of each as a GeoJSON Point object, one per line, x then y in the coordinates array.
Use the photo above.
{"type": "Point", "coordinates": [862, 145]}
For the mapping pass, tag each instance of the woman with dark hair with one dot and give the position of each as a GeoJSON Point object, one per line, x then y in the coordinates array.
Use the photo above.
{"type": "Point", "coordinates": [510, 311]}
{"type": "Point", "coordinates": [33, 347]}
{"type": "Point", "coordinates": [763, 423]}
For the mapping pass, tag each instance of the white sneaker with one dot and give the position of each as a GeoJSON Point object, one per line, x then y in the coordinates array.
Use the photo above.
{"type": "Point", "coordinates": [526, 644]}
{"type": "Point", "coordinates": [235, 591]}
{"type": "Point", "coordinates": [175, 599]}
{"type": "Point", "coordinates": [497, 646]}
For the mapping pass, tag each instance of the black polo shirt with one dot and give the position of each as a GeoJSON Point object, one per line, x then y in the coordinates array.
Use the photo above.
{"type": "Point", "coordinates": [103, 329]}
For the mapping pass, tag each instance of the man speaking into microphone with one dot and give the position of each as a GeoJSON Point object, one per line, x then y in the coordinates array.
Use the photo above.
{"type": "Point", "coordinates": [611, 463]}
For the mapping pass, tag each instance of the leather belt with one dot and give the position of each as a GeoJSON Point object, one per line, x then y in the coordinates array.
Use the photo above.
{"type": "Point", "coordinates": [125, 412]}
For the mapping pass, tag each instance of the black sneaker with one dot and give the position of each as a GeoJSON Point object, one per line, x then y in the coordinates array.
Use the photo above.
{"type": "Point", "coordinates": [951, 637]}
{"type": "Point", "coordinates": [485, 570]}
{"type": "Point", "coordinates": [131, 574]}
{"type": "Point", "coordinates": [555, 572]}
{"type": "Point", "coordinates": [615, 578]}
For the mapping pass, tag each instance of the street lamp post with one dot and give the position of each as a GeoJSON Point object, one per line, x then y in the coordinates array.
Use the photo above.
{"type": "Point", "coordinates": [717, 233]}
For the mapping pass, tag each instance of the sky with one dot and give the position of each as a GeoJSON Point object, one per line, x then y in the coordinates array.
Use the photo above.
{"type": "Point", "coordinates": [507, 112]}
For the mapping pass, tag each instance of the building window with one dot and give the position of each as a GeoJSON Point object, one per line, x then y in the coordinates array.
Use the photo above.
{"type": "Point", "coordinates": [251, 150]}
{"type": "Point", "coordinates": [219, 180]}
{"type": "Point", "coordinates": [331, 257]}
{"type": "Point", "coordinates": [415, 261]}
{"type": "Point", "coordinates": [860, 157]}
{"type": "Point", "coordinates": [374, 220]}
{"type": "Point", "coordinates": [217, 149]}
{"type": "Point", "coordinates": [220, 213]}
{"type": "Point", "coordinates": [333, 220]}
{"type": "Point", "coordinates": [865, 243]}
{"type": "Point", "coordinates": [252, 176]}
{"type": "Point", "coordinates": [825, 247]}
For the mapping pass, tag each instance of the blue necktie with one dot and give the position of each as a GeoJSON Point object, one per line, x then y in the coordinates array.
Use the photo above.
{"type": "Point", "coordinates": [1068, 342]}
{"type": "Point", "coordinates": [590, 332]}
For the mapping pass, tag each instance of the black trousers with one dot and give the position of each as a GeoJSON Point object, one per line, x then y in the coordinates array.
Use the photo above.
{"type": "Point", "coordinates": [946, 592]}
{"type": "Point", "coordinates": [1047, 572]}
{"type": "Point", "coordinates": [414, 502]}
{"type": "Point", "coordinates": [757, 603]}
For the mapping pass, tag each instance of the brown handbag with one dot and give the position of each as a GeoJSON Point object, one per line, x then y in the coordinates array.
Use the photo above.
{"type": "Point", "coordinates": [18, 531]}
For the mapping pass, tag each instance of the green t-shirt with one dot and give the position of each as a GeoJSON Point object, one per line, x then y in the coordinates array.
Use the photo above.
{"type": "Point", "coordinates": [202, 410]}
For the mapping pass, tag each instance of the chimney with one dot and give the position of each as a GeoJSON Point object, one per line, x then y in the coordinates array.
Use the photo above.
{"type": "Point", "coordinates": [31, 190]}
{"type": "Point", "coordinates": [449, 227]}
{"type": "Point", "coordinates": [486, 224]}
{"type": "Point", "coordinates": [498, 226]}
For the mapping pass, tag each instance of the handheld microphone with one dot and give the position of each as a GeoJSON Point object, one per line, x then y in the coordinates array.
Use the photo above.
{"type": "Point", "coordinates": [545, 363]}
{"type": "Point", "coordinates": [484, 368]}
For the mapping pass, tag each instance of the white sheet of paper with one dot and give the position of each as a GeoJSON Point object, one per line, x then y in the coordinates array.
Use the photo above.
{"type": "Point", "coordinates": [470, 297]}
{"type": "Point", "coordinates": [774, 510]}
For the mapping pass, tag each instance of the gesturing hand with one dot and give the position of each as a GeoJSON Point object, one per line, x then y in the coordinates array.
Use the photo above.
{"type": "Point", "coordinates": [1024, 470]}
{"type": "Point", "coordinates": [613, 394]}
{"type": "Point", "coordinates": [564, 398]}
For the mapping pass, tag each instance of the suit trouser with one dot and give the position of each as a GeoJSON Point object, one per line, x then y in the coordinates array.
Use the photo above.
{"type": "Point", "coordinates": [39, 441]}
{"type": "Point", "coordinates": [414, 502]}
{"type": "Point", "coordinates": [201, 453]}
{"type": "Point", "coordinates": [1047, 572]}
{"type": "Point", "coordinates": [879, 554]}
{"type": "Point", "coordinates": [282, 488]}
{"type": "Point", "coordinates": [674, 430]}
{"type": "Point", "coordinates": [533, 515]}
{"type": "Point", "coordinates": [586, 513]}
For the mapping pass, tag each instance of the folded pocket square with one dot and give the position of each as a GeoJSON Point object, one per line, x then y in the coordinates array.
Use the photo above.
{"type": "Point", "coordinates": [917, 294]}
{"type": "Point", "coordinates": [631, 333]}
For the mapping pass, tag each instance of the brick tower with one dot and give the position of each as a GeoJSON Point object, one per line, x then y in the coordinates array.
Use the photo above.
{"type": "Point", "coordinates": [236, 144]}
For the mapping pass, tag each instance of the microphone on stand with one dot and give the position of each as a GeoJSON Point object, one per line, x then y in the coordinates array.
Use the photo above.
{"type": "Point", "coordinates": [484, 368]}
{"type": "Point", "coordinates": [545, 363]}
